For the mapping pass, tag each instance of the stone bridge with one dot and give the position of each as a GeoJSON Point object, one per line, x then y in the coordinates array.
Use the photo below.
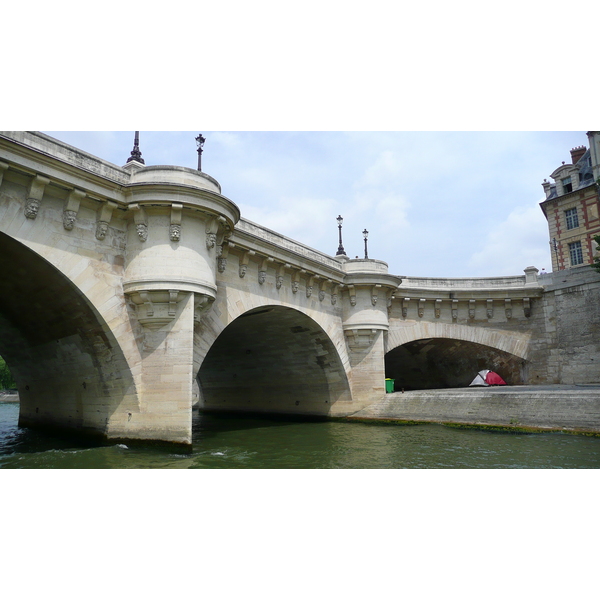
{"type": "Point", "coordinates": [131, 295]}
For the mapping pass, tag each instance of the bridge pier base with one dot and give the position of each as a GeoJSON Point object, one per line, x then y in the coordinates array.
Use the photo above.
{"type": "Point", "coordinates": [164, 411]}
{"type": "Point", "coordinates": [367, 354]}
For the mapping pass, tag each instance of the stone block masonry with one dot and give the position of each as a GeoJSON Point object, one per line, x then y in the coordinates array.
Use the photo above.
{"type": "Point", "coordinates": [573, 408]}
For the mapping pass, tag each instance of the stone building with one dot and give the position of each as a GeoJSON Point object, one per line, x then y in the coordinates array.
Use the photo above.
{"type": "Point", "coordinates": [572, 207]}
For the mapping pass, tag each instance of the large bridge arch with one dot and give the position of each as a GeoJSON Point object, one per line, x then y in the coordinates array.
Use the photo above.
{"type": "Point", "coordinates": [438, 355]}
{"type": "Point", "coordinates": [69, 368]}
{"type": "Point", "coordinates": [273, 358]}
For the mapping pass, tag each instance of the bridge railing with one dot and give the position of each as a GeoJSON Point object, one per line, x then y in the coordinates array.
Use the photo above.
{"type": "Point", "coordinates": [464, 283]}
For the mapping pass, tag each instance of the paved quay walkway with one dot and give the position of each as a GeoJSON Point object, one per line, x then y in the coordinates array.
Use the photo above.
{"type": "Point", "coordinates": [566, 407]}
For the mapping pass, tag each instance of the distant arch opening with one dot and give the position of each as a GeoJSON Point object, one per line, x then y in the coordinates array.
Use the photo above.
{"type": "Point", "coordinates": [273, 359]}
{"type": "Point", "coordinates": [436, 363]}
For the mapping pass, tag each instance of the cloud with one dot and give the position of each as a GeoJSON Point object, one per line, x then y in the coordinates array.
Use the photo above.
{"type": "Point", "coordinates": [304, 219]}
{"type": "Point", "coordinates": [520, 241]}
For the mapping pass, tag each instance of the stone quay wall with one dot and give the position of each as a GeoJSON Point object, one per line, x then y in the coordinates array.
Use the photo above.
{"type": "Point", "coordinates": [570, 408]}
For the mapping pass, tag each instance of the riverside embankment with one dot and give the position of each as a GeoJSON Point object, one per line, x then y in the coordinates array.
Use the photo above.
{"type": "Point", "coordinates": [547, 407]}
{"type": "Point", "coordinates": [574, 408]}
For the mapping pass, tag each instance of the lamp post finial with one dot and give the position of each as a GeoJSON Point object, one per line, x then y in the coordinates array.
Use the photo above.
{"type": "Point", "coordinates": [135, 153]}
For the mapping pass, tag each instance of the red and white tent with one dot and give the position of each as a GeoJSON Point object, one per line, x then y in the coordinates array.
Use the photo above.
{"type": "Point", "coordinates": [486, 378]}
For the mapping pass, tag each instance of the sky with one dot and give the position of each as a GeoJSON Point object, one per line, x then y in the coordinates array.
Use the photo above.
{"type": "Point", "coordinates": [435, 204]}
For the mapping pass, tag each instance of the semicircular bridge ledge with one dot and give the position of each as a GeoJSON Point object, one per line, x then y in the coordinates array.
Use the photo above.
{"type": "Point", "coordinates": [516, 343]}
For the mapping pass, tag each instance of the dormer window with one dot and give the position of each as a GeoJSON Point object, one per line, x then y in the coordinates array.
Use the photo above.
{"type": "Point", "coordinates": [567, 185]}
{"type": "Point", "coordinates": [572, 218]}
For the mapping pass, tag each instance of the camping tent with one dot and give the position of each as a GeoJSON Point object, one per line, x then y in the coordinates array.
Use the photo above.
{"type": "Point", "coordinates": [487, 377]}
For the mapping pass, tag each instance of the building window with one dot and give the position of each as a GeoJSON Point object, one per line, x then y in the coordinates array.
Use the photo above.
{"type": "Point", "coordinates": [572, 219]}
{"type": "Point", "coordinates": [576, 253]}
{"type": "Point", "coordinates": [567, 185]}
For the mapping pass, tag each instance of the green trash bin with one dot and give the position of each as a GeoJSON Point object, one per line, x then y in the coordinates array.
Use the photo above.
{"type": "Point", "coordinates": [389, 386]}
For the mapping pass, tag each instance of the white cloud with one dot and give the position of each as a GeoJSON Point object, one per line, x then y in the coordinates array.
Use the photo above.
{"type": "Point", "coordinates": [307, 220]}
{"type": "Point", "coordinates": [512, 245]}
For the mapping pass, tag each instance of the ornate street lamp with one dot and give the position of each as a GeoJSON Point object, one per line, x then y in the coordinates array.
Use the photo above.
{"type": "Point", "coordinates": [555, 246]}
{"type": "Point", "coordinates": [200, 143]}
{"type": "Point", "coordinates": [366, 235]}
{"type": "Point", "coordinates": [340, 248]}
{"type": "Point", "coordinates": [135, 153]}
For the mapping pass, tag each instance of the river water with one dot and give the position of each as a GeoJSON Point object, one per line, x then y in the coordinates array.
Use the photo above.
{"type": "Point", "coordinates": [234, 442]}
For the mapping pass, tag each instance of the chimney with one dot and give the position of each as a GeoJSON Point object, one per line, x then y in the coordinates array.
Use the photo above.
{"type": "Point", "coordinates": [577, 153]}
{"type": "Point", "coordinates": [547, 188]}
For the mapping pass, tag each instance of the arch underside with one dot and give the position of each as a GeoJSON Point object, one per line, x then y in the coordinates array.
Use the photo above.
{"type": "Point", "coordinates": [62, 355]}
{"type": "Point", "coordinates": [273, 359]}
{"type": "Point", "coordinates": [448, 363]}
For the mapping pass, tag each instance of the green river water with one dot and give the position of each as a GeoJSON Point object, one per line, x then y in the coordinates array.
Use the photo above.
{"type": "Point", "coordinates": [235, 442]}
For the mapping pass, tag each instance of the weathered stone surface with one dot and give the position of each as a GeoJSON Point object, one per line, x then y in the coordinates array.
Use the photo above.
{"type": "Point", "coordinates": [137, 292]}
{"type": "Point", "coordinates": [544, 407]}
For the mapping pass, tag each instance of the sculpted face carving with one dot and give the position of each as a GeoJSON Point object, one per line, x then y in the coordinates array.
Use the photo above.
{"type": "Point", "coordinates": [142, 231]}
{"type": "Point", "coordinates": [221, 264]}
{"type": "Point", "coordinates": [243, 269]}
{"type": "Point", "coordinates": [374, 300]}
{"type": "Point", "coordinates": [32, 207]}
{"type": "Point", "coordinates": [101, 229]}
{"type": "Point", "coordinates": [353, 300]}
{"type": "Point", "coordinates": [321, 295]}
{"type": "Point", "coordinates": [294, 286]}
{"type": "Point", "coordinates": [175, 232]}
{"type": "Point", "coordinates": [309, 289]}
{"type": "Point", "coordinates": [69, 217]}
{"type": "Point", "coordinates": [333, 298]}
{"type": "Point", "coordinates": [211, 240]}
{"type": "Point", "coordinates": [262, 277]}
{"type": "Point", "coordinates": [279, 281]}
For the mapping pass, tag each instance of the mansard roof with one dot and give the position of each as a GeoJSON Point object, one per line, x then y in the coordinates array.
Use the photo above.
{"type": "Point", "coordinates": [584, 170]}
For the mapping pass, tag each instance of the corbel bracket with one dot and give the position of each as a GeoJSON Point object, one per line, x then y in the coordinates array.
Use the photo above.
{"type": "Point", "coordinates": [72, 208]}
{"type": "Point", "coordinates": [374, 293]}
{"type": "Point", "coordinates": [104, 216]}
{"type": "Point", "coordinates": [222, 259]}
{"type": "Point", "coordinates": [34, 197]}
{"type": "Point", "coordinates": [352, 294]}
{"type": "Point", "coordinates": [141, 221]}
{"type": "Point", "coordinates": [262, 269]}
{"type": "Point", "coordinates": [280, 275]}
{"type": "Point", "coordinates": [244, 259]}
{"type": "Point", "coordinates": [175, 227]}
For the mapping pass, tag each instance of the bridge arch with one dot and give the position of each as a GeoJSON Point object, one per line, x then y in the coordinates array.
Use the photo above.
{"type": "Point", "coordinates": [438, 355]}
{"type": "Point", "coordinates": [273, 358]}
{"type": "Point", "coordinates": [68, 366]}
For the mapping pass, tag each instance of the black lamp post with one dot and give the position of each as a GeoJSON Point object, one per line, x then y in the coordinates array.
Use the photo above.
{"type": "Point", "coordinates": [555, 245]}
{"type": "Point", "coordinates": [340, 248]}
{"type": "Point", "coordinates": [135, 153]}
{"type": "Point", "coordinates": [366, 235]}
{"type": "Point", "coordinates": [200, 143]}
